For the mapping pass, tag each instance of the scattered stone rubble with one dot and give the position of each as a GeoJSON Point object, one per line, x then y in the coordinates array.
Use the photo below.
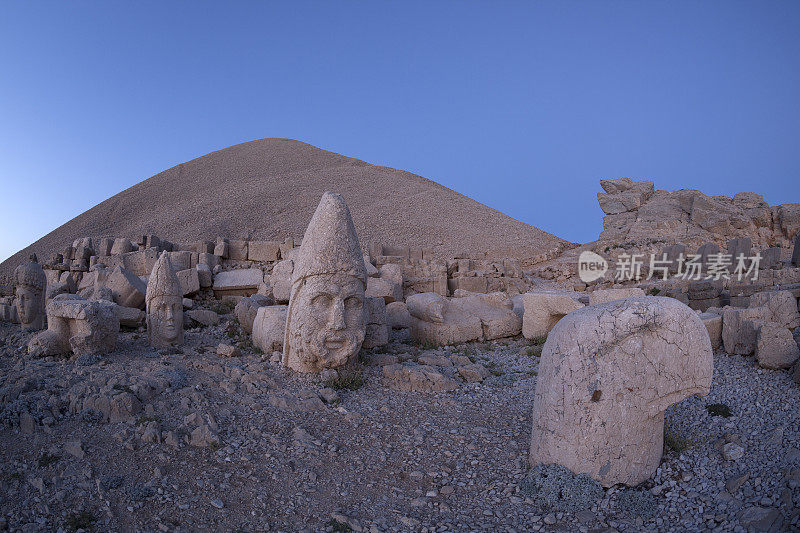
{"type": "Point", "coordinates": [175, 356]}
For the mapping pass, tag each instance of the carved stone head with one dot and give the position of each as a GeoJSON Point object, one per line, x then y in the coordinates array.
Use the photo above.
{"type": "Point", "coordinates": [164, 305]}
{"type": "Point", "coordinates": [607, 374]}
{"type": "Point", "coordinates": [326, 320]}
{"type": "Point", "coordinates": [30, 284]}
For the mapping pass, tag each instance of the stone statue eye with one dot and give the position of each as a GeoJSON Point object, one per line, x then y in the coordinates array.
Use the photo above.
{"type": "Point", "coordinates": [352, 302]}
{"type": "Point", "coordinates": [321, 300]}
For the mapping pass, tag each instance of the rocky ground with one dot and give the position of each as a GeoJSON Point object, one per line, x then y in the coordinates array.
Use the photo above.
{"type": "Point", "coordinates": [189, 440]}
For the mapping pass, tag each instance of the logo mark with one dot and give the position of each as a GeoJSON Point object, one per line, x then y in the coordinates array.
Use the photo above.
{"type": "Point", "coordinates": [591, 266]}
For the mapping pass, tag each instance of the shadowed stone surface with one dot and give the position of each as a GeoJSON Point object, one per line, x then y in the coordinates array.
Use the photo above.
{"type": "Point", "coordinates": [607, 374]}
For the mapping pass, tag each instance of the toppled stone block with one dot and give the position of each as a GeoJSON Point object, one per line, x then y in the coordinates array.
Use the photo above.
{"type": "Point", "coordinates": [281, 280]}
{"type": "Point", "coordinates": [264, 251]}
{"type": "Point", "coordinates": [130, 317]}
{"type": "Point", "coordinates": [377, 330]}
{"type": "Point", "coordinates": [244, 282]}
{"type": "Point", "coordinates": [384, 288]}
{"type": "Point", "coordinates": [417, 378]}
{"type": "Point", "coordinates": [237, 250]}
{"type": "Point", "coordinates": [704, 289]}
{"type": "Point", "coordinates": [221, 248]}
{"type": "Point", "coordinates": [189, 280]}
{"type": "Point", "coordinates": [601, 296]}
{"type": "Point", "coordinates": [127, 289]}
{"type": "Point", "coordinates": [78, 326]}
{"type": "Point", "coordinates": [776, 347]}
{"type": "Point", "coordinates": [713, 323]}
{"type": "Point", "coordinates": [779, 307]}
{"type": "Point", "coordinates": [397, 315]}
{"type": "Point", "coordinates": [739, 329]}
{"type": "Point", "coordinates": [269, 327]}
{"type": "Point", "coordinates": [543, 309]}
{"type": "Point", "coordinates": [204, 317]}
{"type": "Point", "coordinates": [655, 349]}
{"type": "Point", "coordinates": [121, 246]}
{"type": "Point", "coordinates": [204, 277]}
{"type": "Point", "coordinates": [247, 308]}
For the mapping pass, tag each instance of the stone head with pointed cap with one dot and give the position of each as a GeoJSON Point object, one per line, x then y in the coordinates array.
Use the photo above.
{"type": "Point", "coordinates": [164, 305]}
{"type": "Point", "coordinates": [326, 320]}
{"type": "Point", "coordinates": [30, 283]}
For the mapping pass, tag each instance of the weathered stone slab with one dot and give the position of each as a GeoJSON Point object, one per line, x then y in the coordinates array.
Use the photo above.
{"type": "Point", "coordinates": [543, 309]}
{"type": "Point", "coordinates": [608, 295]}
{"type": "Point", "coordinates": [243, 282]}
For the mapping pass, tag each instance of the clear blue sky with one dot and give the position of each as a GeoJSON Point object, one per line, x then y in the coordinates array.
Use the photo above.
{"type": "Point", "coordinates": [523, 106]}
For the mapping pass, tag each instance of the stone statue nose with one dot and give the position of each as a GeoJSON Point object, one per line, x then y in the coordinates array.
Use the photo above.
{"type": "Point", "coordinates": [337, 315]}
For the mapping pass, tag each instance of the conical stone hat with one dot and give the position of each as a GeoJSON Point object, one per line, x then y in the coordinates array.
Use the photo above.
{"type": "Point", "coordinates": [330, 245]}
{"type": "Point", "coordinates": [163, 281]}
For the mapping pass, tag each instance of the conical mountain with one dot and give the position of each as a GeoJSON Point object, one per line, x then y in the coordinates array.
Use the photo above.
{"type": "Point", "coordinates": [268, 189]}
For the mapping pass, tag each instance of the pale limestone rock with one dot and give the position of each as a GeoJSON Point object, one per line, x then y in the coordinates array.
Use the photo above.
{"type": "Point", "coordinates": [264, 251]}
{"type": "Point", "coordinates": [129, 316]}
{"type": "Point", "coordinates": [164, 305]}
{"type": "Point", "coordinates": [740, 328]}
{"type": "Point", "coordinates": [397, 315]}
{"type": "Point", "coordinates": [204, 317]}
{"type": "Point", "coordinates": [377, 330]}
{"type": "Point", "coordinates": [189, 280]}
{"type": "Point", "coordinates": [127, 289]}
{"type": "Point", "coordinates": [243, 282]}
{"type": "Point", "coordinates": [121, 246]}
{"type": "Point", "coordinates": [326, 320]}
{"type": "Point", "coordinates": [495, 311]}
{"type": "Point", "coordinates": [609, 295]}
{"type": "Point", "coordinates": [417, 378]}
{"type": "Point", "coordinates": [237, 250]}
{"type": "Point", "coordinates": [281, 280]}
{"type": "Point", "coordinates": [76, 325]}
{"type": "Point", "coordinates": [30, 282]}
{"type": "Point", "coordinates": [776, 347]}
{"type": "Point", "coordinates": [473, 373]}
{"type": "Point", "coordinates": [713, 324]}
{"type": "Point", "coordinates": [427, 306]}
{"type": "Point", "coordinates": [384, 288]}
{"type": "Point", "coordinates": [543, 309]}
{"type": "Point", "coordinates": [269, 328]}
{"type": "Point", "coordinates": [606, 376]}
{"type": "Point", "coordinates": [780, 307]}
{"type": "Point", "coordinates": [246, 310]}
{"type": "Point", "coordinates": [204, 276]}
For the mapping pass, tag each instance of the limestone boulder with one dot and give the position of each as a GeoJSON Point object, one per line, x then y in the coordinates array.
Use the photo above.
{"type": "Point", "coordinates": [713, 324]}
{"type": "Point", "coordinates": [417, 378]}
{"type": "Point", "coordinates": [263, 251]}
{"type": "Point", "coordinates": [130, 317]}
{"type": "Point", "coordinates": [543, 309]}
{"type": "Point", "coordinates": [242, 282]}
{"type": "Point", "coordinates": [780, 307]}
{"type": "Point", "coordinates": [608, 295]}
{"type": "Point", "coordinates": [776, 347]}
{"type": "Point", "coordinates": [607, 374]}
{"type": "Point", "coordinates": [377, 332]}
{"type": "Point", "coordinates": [740, 328]}
{"type": "Point", "coordinates": [203, 317]}
{"type": "Point", "coordinates": [269, 327]}
{"type": "Point", "coordinates": [127, 289]}
{"type": "Point", "coordinates": [397, 315]}
{"type": "Point", "coordinates": [247, 307]}
{"type": "Point", "coordinates": [281, 280]}
{"type": "Point", "coordinates": [189, 280]}
{"type": "Point", "coordinates": [204, 276]}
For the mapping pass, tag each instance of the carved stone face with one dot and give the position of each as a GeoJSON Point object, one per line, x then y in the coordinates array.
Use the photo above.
{"type": "Point", "coordinates": [327, 323]}
{"type": "Point", "coordinates": [30, 307]}
{"type": "Point", "coordinates": [166, 321]}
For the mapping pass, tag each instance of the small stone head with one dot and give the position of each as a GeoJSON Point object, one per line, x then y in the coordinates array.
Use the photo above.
{"type": "Point", "coordinates": [30, 284]}
{"type": "Point", "coordinates": [326, 321]}
{"type": "Point", "coordinates": [164, 304]}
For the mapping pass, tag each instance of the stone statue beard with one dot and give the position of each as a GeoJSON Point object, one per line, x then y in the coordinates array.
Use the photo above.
{"type": "Point", "coordinates": [329, 320]}
{"type": "Point", "coordinates": [28, 304]}
{"type": "Point", "coordinates": [168, 317]}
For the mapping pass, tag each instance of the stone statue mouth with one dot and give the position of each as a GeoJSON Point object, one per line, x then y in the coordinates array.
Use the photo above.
{"type": "Point", "coordinates": [335, 342]}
